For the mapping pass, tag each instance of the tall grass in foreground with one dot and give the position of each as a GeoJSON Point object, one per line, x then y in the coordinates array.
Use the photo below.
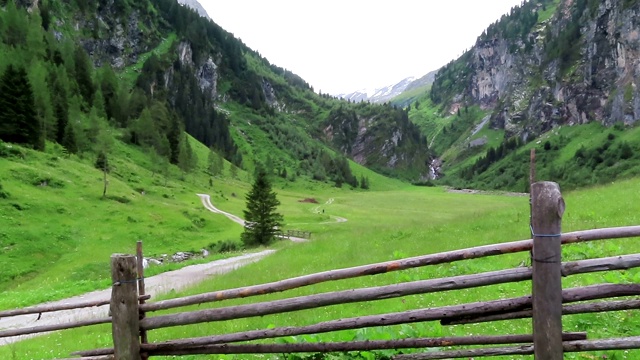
{"type": "Point", "coordinates": [394, 224]}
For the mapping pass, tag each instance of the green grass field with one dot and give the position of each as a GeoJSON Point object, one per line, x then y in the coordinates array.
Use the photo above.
{"type": "Point", "coordinates": [75, 238]}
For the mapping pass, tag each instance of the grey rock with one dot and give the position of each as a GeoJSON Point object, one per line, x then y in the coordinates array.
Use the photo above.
{"type": "Point", "coordinates": [600, 86]}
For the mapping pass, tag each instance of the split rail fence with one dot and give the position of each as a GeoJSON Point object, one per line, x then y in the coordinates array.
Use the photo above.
{"type": "Point", "coordinates": [299, 233]}
{"type": "Point", "coordinates": [548, 303]}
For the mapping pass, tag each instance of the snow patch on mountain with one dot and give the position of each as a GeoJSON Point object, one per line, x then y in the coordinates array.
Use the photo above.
{"type": "Point", "coordinates": [195, 5]}
{"type": "Point", "coordinates": [378, 95]}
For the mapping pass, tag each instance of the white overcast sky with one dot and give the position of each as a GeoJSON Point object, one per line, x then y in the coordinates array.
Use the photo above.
{"type": "Point", "coordinates": [340, 46]}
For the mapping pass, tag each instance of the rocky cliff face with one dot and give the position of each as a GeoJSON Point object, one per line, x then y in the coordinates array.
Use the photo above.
{"type": "Point", "coordinates": [206, 72]}
{"type": "Point", "coordinates": [580, 65]}
{"type": "Point", "coordinates": [378, 136]}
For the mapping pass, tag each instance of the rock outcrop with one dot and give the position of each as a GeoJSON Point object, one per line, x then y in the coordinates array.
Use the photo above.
{"type": "Point", "coordinates": [581, 65]}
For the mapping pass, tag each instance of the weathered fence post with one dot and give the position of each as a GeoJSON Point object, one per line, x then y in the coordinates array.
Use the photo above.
{"type": "Point", "coordinates": [124, 307]}
{"type": "Point", "coordinates": [546, 218]}
{"type": "Point", "coordinates": [141, 291]}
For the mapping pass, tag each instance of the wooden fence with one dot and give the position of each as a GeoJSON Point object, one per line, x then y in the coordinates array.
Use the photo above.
{"type": "Point", "coordinates": [298, 234]}
{"type": "Point", "coordinates": [131, 321]}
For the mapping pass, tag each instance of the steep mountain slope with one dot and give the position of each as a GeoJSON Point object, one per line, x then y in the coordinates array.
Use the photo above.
{"type": "Point", "coordinates": [414, 90]}
{"type": "Point", "coordinates": [545, 65]}
{"type": "Point", "coordinates": [574, 67]}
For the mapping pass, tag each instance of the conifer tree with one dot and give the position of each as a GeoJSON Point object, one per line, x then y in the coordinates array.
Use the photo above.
{"type": "Point", "coordinates": [187, 159]}
{"type": "Point", "coordinates": [16, 25]}
{"type": "Point", "coordinates": [69, 140]}
{"type": "Point", "coordinates": [18, 119]}
{"type": "Point", "coordinates": [215, 163]}
{"type": "Point", "coordinates": [59, 85]}
{"type": "Point", "coordinates": [42, 98]}
{"type": "Point", "coordinates": [83, 69]}
{"type": "Point", "coordinates": [261, 219]}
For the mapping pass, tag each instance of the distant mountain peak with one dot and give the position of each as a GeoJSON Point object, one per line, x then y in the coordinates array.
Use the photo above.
{"type": "Point", "coordinates": [381, 94]}
{"type": "Point", "coordinates": [195, 5]}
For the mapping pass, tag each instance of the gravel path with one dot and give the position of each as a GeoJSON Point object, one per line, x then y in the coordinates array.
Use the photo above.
{"type": "Point", "coordinates": [155, 285]}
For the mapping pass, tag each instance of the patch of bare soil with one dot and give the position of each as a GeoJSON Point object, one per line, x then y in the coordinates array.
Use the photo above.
{"type": "Point", "coordinates": [309, 200]}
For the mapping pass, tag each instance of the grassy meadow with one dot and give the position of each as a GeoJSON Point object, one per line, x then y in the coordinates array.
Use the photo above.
{"type": "Point", "coordinates": [391, 221]}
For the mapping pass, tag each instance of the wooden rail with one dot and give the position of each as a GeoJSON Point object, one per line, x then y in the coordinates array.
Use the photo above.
{"type": "Point", "coordinates": [379, 293]}
{"type": "Point", "coordinates": [299, 234]}
{"type": "Point", "coordinates": [356, 345]}
{"type": "Point", "coordinates": [389, 266]}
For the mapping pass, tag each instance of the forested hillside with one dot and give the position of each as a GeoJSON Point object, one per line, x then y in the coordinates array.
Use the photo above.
{"type": "Point", "coordinates": [86, 73]}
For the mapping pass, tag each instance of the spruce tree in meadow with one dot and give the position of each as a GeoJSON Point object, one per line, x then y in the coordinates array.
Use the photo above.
{"type": "Point", "coordinates": [261, 219]}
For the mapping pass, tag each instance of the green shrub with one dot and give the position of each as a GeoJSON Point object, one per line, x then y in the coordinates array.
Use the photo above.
{"type": "Point", "coordinates": [120, 199]}
{"type": "Point", "coordinates": [225, 246]}
{"type": "Point", "coordinates": [3, 194]}
{"type": "Point", "coordinates": [10, 151]}
{"type": "Point", "coordinates": [47, 181]}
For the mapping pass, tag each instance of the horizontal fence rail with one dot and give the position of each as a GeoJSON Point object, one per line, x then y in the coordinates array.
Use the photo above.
{"type": "Point", "coordinates": [355, 345]}
{"type": "Point", "coordinates": [55, 327]}
{"type": "Point", "coordinates": [51, 308]}
{"type": "Point", "coordinates": [380, 293]}
{"type": "Point", "coordinates": [591, 307]}
{"type": "Point", "coordinates": [384, 267]}
{"type": "Point", "coordinates": [412, 316]}
{"type": "Point", "coordinates": [567, 346]}
{"type": "Point", "coordinates": [40, 309]}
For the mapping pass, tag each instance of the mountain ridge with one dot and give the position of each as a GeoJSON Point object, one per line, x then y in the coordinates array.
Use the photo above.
{"type": "Point", "coordinates": [195, 5]}
{"type": "Point", "coordinates": [379, 94]}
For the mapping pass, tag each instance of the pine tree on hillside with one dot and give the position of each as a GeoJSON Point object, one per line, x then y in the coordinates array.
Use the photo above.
{"type": "Point", "coordinates": [18, 120]}
{"type": "Point", "coordinates": [42, 98]}
{"type": "Point", "coordinates": [59, 85]}
{"type": "Point", "coordinates": [83, 70]}
{"type": "Point", "coordinates": [261, 219]}
{"type": "Point", "coordinates": [69, 140]}
{"type": "Point", "coordinates": [187, 159]}
{"type": "Point", "coordinates": [16, 25]}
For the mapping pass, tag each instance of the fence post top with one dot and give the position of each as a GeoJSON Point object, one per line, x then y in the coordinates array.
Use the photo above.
{"type": "Point", "coordinates": [547, 195]}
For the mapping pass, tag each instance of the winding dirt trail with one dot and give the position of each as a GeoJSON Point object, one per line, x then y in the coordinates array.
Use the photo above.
{"type": "Point", "coordinates": [155, 285]}
{"type": "Point", "coordinates": [206, 202]}
{"type": "Point", "coordinates": [338, 219]}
